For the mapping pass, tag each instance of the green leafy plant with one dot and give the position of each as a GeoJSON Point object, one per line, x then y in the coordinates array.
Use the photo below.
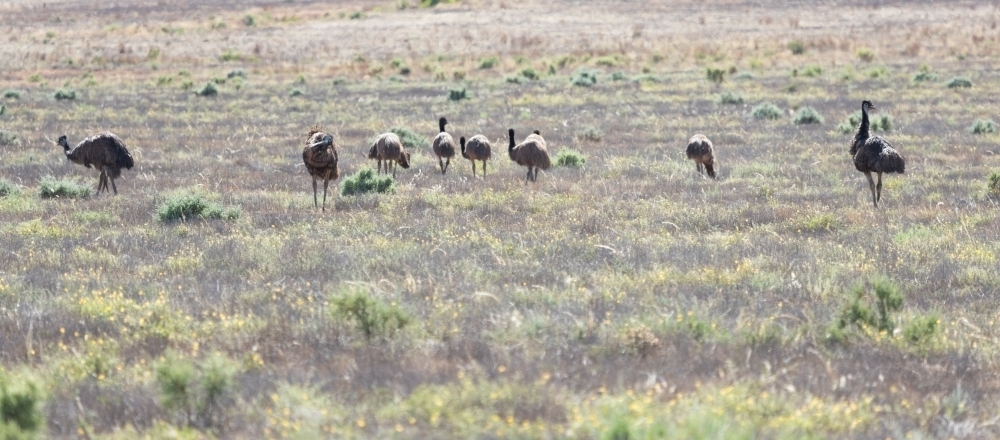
{"type": "Point", "coordinates": [186, 205]}
{"type": "Point", "coordinates": [489, 62]}
{"type": "Point", "coordinates": [584, 78]}
{"type": "Point", "coordinates": [20, 406]}
{"type": "Point", "coordinates": [959, 82]}
{"type": "Point", "coordinates": [195, 390]}
{"type": "Point", "coordinates": [365, 181]}
{"type": "Point", "coordinates": [920, 330]}
{"type": "Point", "coordinates": [590, 133]}
{"type": "Point", "coordinates": [715, 75]}
{"type": "Point", "coordinates": [993, 184]}
{"type": "Point", "coordinates": [8, 137]}
{"type": "Point", "coordinates": [529, 73]}
{"type": "Point", "coordinates": [8, 189]}
{"type": "Point", "coordinates": [619, 76]}
{"type": "Point", "coordinates": [458, 94]}
{"type": "Point", "coordinates": [570, 158]}
{"type": "Point", "coordinates": [65, 94]}
{"type": "Point", "coordinates": [806, 115]}
{"type": "Point", "coordinates": [62, 188]}
{"type": "Point", "coordinates": [410, 138]}
{"type": "Point", "coordinates": [237, 73]}
{"type": "Point", "coordinates": [730, 98]}
{"type": "Point", "coordinates": [208, 90]}
{"type": "Point", "coordinates": [866, 54]}
{"type": "Point", "coordinates": [12, 94]}
{"type": "Point", "coordinates": [878, 316]}
{"type": "Point", "coordinates": [875, 123]}
{"type": "Point", "coordinates": [766, 111]}
{"type": "Point", "coordinates": [797, 47]}
{"type": "Point", "coordinates": [924, 74]}
{"type": "Point", "coordinates": [372, 316]}
{"type": "Point", "coordinates": [982, 126]}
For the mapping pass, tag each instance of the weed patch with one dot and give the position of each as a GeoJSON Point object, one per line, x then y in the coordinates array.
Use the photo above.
{"type": "Point", "coordinates": [993, 183]}
{"type": "Point", "coordinates": [591, 134]}
{"type": "Point", "coordinates": [806, 115]}
{"type": "Point", "coordinates": [371, 316]}
{"type": "Point", "coordinates": [20, 406]}
{"type": "Point", "coordinates": [728, 97]}
{"type": "Point", "coordinates": [584, 78]}
{"type": "Point", "coordinates": [458, 94]}
{"type": "Point", "coordinates": [959, 82]}
{"type": "Point", "coordinates": [185, 205]}
{"type": "Point", "coordinates": [8, 137]}
{"type": "Point", "coordinates": [8, 189]}
{"type": "Point", "coordinates": [766, 111]}
{"type": "Point", "coordinates": [65, 94]}
{"type": "Point", "coordinates": [489, 62]}
{"type": "Point", "coordinates": [983, 126]}
{"type": "Point", "coordinates": [365, 181]}
{"type": "Point", "coordinates": [570, 158]}
{"type": "Point", "coordinates": [875, 123]}
{"type": "Point", "coordinates": [208, 90]}
{"type": "Point", "coordinates": [410, 138]}
{"type": "Point", "coordinates": [51, 187]}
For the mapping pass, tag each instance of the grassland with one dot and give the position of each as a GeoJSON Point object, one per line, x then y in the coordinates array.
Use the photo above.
{"type": "Point", "coordinates": [628, 297]}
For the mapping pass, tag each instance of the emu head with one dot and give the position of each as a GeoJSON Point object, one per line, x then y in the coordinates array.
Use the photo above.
{"type": "Point", "coordinates": [62, 142]}
{"type": "Point", "coordinates": [537, 132]}
{"type": "Point", "coordinates": [325, 140]}
{"type": "Point", "coordinates": [866, 105]}
{"type": "Point", "coordinates": [442, 122]}
{"type": "Point", "coordinates": [404, 159]}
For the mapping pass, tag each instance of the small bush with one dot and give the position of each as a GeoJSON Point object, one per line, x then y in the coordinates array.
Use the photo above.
{"type": "Point", "coordinates": [8, 189]}
{"type": "Point", "coordinates": [52, 188]}
{"type": "Point", "coordinates": [584, 78]}
{"type": "Point", "coordinates": [357, 15]}
{"type": "Point", "coordinates": [922, 329]}
{"type": "Point", "coordinates": [371, 316]}
{"type": "Point", "coordinates": [744, 76]}
{"type": "Point", "coordinates": [208, 90]}
{"type": "Point", "coordinates": [730, 98]}
{"type": "Point", "coordinates": [8, 137]}
{"type": "Point", "coordinates": [295, 92]}
{"type": "Point", "coordinates": [924, 74]}
{"type": "Point", "coordinates": [638, 340]}
{"type": "Point", "coordinates": [230, 55]}
{"type": "Point", "coordinates": [590, 133]}
{"type": "Point", "coordinates": [812, 70]}
{"type": "Point", "coordinates": [766, 111]}
{"type": "Point", "coordinates": [339, 81]}
{"type": "Point", "coordinates": [20, 406]}
{"type": "Point", "coordinates": [489, 62]}
{"type": "Point", "coordinates": [619, 76]}
{"type": "Point", "coordinates": [994, 183]}
{"type": "Point", "coordinates": [606, 61]}
{"type": "Point", "coordinates": [186, 205]}
{"type": "Point", "coordinates": [959, 82]}
{"type": "Point", "coordinates": [570, 158]}
{"type": "Point", "coordinates": [249, 21]}
{"type": "Point", "coordinates": [12, 94]}
{"type": "Point", "coordinates": [529, 73]}
{"type": "Point", "coordinates": [877, 72]}
{"type": "Point", "coordinates": [806, 115]}
{"type": "Point", "coordinates": [887, 300]}
{"type": "Point", "coordinates": [797, 47]}
{"type": "Point", "coordinates": [458, 75]}
{"type": "Point", "coordinates": [67, 94]}
{"type": "Point", "coordinates": [458, 94]}
{"type": "Point", "coordinates": [875, 123]}
{"type": "Point", "coordinates": [195, 390]}
{"type": "Point", "coordinates": [715, 75]}
{"type": "Point", "coordinates": [365, 181]}
{"type": "Point", "coordinates": [646, 77]}
{"type": "Point", "coordinates": [619, 431]}
{"type": "Point", "coordinates": [865, 54]}
{"type": "Point", "coordinates": [514, 79]}
{"type": "Point", "coordinates": [410, 138]}
{"type": "Point", "coordinates": [237, 73]}
{"type": "Point", "coordinates": [982, 126]}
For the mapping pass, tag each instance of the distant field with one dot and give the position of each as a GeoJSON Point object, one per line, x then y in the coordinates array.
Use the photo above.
{"type": "Point", "coordinates": [628, 297]}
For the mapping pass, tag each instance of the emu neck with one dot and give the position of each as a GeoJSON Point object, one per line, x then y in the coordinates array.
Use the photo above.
{"type": "Point", "coordinates": [65, 147]}
{"type": "Point", "coordinates": [441, 126]}
{"type": "Point", "coordinates": [863, 128]}
{"type": "Point", "coordinates": [510, 147]}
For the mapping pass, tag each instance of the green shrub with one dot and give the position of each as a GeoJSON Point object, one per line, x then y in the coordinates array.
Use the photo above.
{"type": "Point", "coordinates": [249, 21]}
{"type": "Point", "coordinates": [857, 313]}
{"type": "Point", "coordinates": [339, 81]}
{"type": "Point", "coordinates": [489, 62]}
{"type": "Point", "coordinates": [529, 73]}
{"type": "Point", "coordinates": [637, 339]}
{"type": "Point", "coordinates": [52, 188]}
{"type": "Point", "coordinates": [606, 61]}
{"type": "Point", "coordinates": [744, 76]}
{"type": "Point", "coordinates": [924, 74]}
{"type": "Point", "coordinates": [237, 73]}
{"type": "Point", "coordinates": [372, 316]}
{"type": "Point", "coordinates": [208, 90]}
{"type": "Point", "coordinates": [230, 55]}
{"type": "Point", "coordinates": [646, 77]}
{"type": "Point", "coordinates": [175, 379]}
{"type": "Point", "coordinates": [584, 78]}
{"type": "Point", "coordinates": [295, 92]}
{"type": "Point", "coordinates": [12, 94]}
{"type": "Point", "coordinates": [590, 133]}
{"type": "Point", "coordinates": [195, 390]}
{"type": "Point", "coordinates": [865, 54]}
{"type": "Point", "coordinates": [921, 329]}
{"type": "Point", "coordinates": [570, 158]}
{"type": "Point", "coordinates": [959, 82]}
{"type": "Point", "coordinates": [67, 94]}
{"type": "Point", "coordinates": [730, 98]}
{"type": "Point", "coordinates": [875, 123]}
{"type": "Point", "coordinates": [766, 111]}
{"type": "Point", "coordinates": [357, 15]}
{"type": "Point", "coordinates": [514, 79]}
{"type": "Point", "coordinates": [994, 183]}
{"type": "Point", "coordinates": [619, 431]}
{"type": "Point", "coordinates": [812, 70]}
{"type": "Point", "coordinates": [219, 80]}
{"type": "Point", "coordinates": [982, 126]}
{"type": "Point", "coordinates": [410, 138]}
{"type": "Point", "coordinates": [715, 75]}
{"type": "Point", "coordinates": [8, 189]}
{"type": "Point", "coordinates": [806, 115]}
{"type": "Point", "coordinates": [797, 47]}
{"type": "Point", "coordinates": [458, 94]}
{"type": "Point", "coordinates": [3, 108]}
{"type": "Point", "coordinates": [8, 137]}
{"type": "Point", "coordinates": [619, 76]}
{"type": "Point", "coordinates": [20, 406]}
{"type": "Point", "coordinates": [365, 181]}
{"type": "Point", "coordinates": [185, 205]}
{"type": "Point", "coordinates": [877, 72]}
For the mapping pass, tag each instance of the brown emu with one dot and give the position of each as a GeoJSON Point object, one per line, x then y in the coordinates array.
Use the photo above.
{"type": "Point", "coordinates": [106, 152]}
{"type": "Point", "coordinates": [389, 149]}
{"type": "Point", "coordinates": [874, 154]}
{"type": "Point", "coordinates": [700, 149]}
{"type": "Point", "coordinates": [531, 153]}
{"type": "Point", "coordinates": [478, 148]}
{"type": "Point", "coordinates": [444, 146]}
{"type": "Point", "coordinates": [320, 157]}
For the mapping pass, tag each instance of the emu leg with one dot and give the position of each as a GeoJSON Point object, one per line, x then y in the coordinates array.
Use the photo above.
{"type": "Point", "coordinates": [326, 183]}
{"type": "Point", "coordinates": [315, 202]}
{"type": "Point", "coordinates": [447, 163]}
{"type": "Point", "coordinates": [528, 177]}
{"type": "Point", "coordinates": [441, 165]}
{"type": "Point", "coordinates": [871, 185]}
{"type": "Point", "coordinates": [878, 188]}
{"type": "Point", "coordinates": [473, 168]}
{"type": "Point", "coordinates": [113, 187]}
{"type": "Point", "coordinates": [393, 169]}
{"type": "Point", "coordinates": [484, 166]}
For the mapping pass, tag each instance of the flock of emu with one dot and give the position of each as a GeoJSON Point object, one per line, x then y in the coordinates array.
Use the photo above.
{"type": "Point", "coordinates": [107, 153]}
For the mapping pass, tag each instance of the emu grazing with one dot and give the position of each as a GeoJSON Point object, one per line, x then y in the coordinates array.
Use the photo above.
{"type": "Point", "coordinates": [478, 148]}
{"type": "Point", "coordinates": [106, 152]}
{"type": "Point", "coordinates": [444, 146]}
{"type": "Point", "coordinates": [531, 153]}
{"type": "Point", "coordinates": [389, 149]}
{"type": "Point", "coordinates": [320, 157]}
{"type": "Point", "coordinates": [700, 149]}
{"type": "Point", "coordinates": [874, 154]}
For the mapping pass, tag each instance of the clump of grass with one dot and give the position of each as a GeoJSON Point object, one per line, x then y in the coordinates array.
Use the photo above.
{"type": "Point", "coordinates": [12, 94]}
{"type": "Point", "coordinates": [186, 205]}
{"type": "Point", "coordinates": [606, 61]}
{"type": "Point", "coordinates": [924, 74]}
{"type": "Point", "coordinates": [993, 184]}
{"type": "Point", "coordinates": [590, 133]}
{"type": "Point", "coordinates": [646, 77]}
{"type": "Point", "coordinates": [959, 82]}
{"type": "Point", "coordinates": [729, 97]}
{"type": "Point", "coordinates": [357, 15]}
{"type": "Point", "coordinates": [529, 73]}
{"type": "Point", "coordinates": [922, 329]}
{"type": "Point", "coordinates": [8, 189]}
{"type": "Point", "coordinates": [295, 92]}
{"type": "Point", "coordinates": [8, 137]}
{"type": "Point", "coordinates": [584, 78]}
{"type": "Point", "coordinates": [237, 73]}
{"type": "Point", "coordinates": [65, 94]}
{"type": "Point", "coordinates": [514, 79]}
{"type": "Point", "coordinates": [766, 111]}
{"type": "Point", "coordinates": [410, 138]}
{"type": "Point", "coordinates": [806, 115]}
{"type": "Point", "coordinates": [372, 316]}
{"type": "Point", "coordinates": [365, 181]}
{"type": "Point", "coordinates": [62, 188]}
{"type": "Point", "coordinates": [812, 70]}
{"type": "Point", "coordinates": [715, 75]}
{"type": "Point", "coordinates": [875, 123]}
{"type": "Point", "coordinates": [458, 94]}
{"type": "Point", "coordinates": [195, 390]}
{"type": "Point", "coordinates": [859, 312]}
{"type": "Point", "coordinates": [797, 47]}
{"type": "Point", "coordinates": [570, 158]}
{"type": "Point", "coordinates": [20, 407]}
{"type": "Point", "coordinates": [489, 62]}
{"type": "Point", "coordinates": [865, 54]}
{"type": "Point", "coordinates": [208, 90]}
{"type": "Point", "coordinates": [982, 126]}
{"type": "Point", "coordinates": [619, 76]}
{"type": "Point", "coordinates": [744, 76]}
{"type": "Point", "coordinates": [339, 81]}
{"type": "Point", "coordinates": [249, 21]}
{"type": "Point", "coordinates": [638, 340]}
{"type": "Point", "coordinates": [820, 222]}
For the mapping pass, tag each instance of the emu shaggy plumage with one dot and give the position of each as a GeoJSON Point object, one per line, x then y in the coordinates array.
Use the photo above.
{"type": "Point", "coordinates": [873, 154]}
{"type": "Point", "coordinates": [478, 148]}
{"type": "Point", "coordinates": [320, 158]}
{"type": "Point", "coordinates": [531, 153]}
{"type": "Point", "coordinates": [700, 150]}
{"type": "Point", "coordinates": [106, 152]}
{"type": "Point", "coordinates": [389, 149]}
{"type": "Point", "coordinates": [444, 146]}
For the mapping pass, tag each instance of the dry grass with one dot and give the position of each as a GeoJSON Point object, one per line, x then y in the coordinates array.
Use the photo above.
{"type": "Point", "coordinates": [629, 295]}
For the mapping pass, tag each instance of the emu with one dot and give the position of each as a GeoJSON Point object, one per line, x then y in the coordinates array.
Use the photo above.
{"type": "Point", "coordinates": [874, 154]}
{"type": "Point", "coordinates": [531, 153]}
{"type": "Point", "coordinates": [700, 149]}
{"type": "Point", "coordinates": [444, 146]}
{"type": "Point", "coordinates": [106, 152]}
{"type": "Point", "coordinates": [320, 157]}
{"type": "Point", "coordinates": [389, 149]}
{"type": "Point", "coordinates": [478, 148]}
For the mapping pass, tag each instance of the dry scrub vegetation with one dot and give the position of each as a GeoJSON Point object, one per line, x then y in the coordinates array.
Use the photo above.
{"type": "Point", "coordinates": [623, 297]}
